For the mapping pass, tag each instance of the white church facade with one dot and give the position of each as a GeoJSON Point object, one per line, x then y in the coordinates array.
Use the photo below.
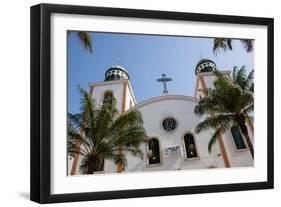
{"type": "Point", "coordinates": [169, 121]}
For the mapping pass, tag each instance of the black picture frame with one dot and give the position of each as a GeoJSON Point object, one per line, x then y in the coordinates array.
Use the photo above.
{"type": "Point", "coordinates": [41, 99]}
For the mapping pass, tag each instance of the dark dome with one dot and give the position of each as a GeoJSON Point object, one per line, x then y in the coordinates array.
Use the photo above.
{"type": "Point", "coordinates": [116, 73]}
{"type": "Point", "coordinates": [205, 65]}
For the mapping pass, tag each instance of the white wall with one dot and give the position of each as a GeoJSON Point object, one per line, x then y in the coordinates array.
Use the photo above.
{"type": "Point", "coordinates": [117, 89]}
{"type": "Point", "coordinates": [181, 108]}
{"type": "Point", "coordinates": [14, 110]}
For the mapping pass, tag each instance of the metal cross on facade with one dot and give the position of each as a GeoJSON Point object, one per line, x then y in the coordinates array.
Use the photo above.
{"type": "Point", "coordinates": [164, 80]}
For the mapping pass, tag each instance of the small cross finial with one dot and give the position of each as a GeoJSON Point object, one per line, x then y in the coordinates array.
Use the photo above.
{"type": "Point", "coordinates": [164, 80]}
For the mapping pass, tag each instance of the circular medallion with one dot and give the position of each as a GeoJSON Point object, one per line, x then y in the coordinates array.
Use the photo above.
{"type": "Point", "coordinates": [169, 124]}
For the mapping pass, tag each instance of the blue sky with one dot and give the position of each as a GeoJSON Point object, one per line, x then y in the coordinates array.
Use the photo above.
{"type": "Point", "coordinates": [146, 57]}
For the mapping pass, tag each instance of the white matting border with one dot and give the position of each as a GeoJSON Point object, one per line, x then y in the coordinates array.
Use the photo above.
{"type": "Point", "coordinates": [60, 183]}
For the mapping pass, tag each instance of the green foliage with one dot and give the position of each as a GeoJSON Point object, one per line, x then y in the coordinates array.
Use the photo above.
{"type": "Point", "coordinates": [226, 104]}
{"type": "Point", "coordinates": [224, 44]}
{"type": "Point", "coordinates": [85, 40]}
{"type": "Point", "coordinates": [106, 133]}
{"type": "Point", "coordinates": [248, 45]}
{"type": "Point", "coordinates": [240, 78]}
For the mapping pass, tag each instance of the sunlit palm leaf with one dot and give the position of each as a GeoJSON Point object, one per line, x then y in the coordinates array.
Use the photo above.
{"type": "Point", "coordinates": [219, 131]}
{"type": "Point", "coordinates": [227, 104]}
{"type": "Point", "coordinates": [248, 44]}
{"type": "Point", "coordinates": [222, 44]}
{"type": "Point", "coordinates": [106, 134]}
{"type": "Point", "coordinates": [213, 122]}
{"type": "Point", "coordinates": [85, 40]}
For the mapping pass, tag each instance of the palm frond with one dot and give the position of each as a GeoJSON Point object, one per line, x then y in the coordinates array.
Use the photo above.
{"type": "Point", "coordinates": [104, 149]}
{"type": "Point", "coordinates": [88, 113]}
{"type": "Point", "coordinates": [104, 120]}
{"type": "Point", "coordinates": [129, 118]}
{"type": "Point", "coordinates": [245, 100]}
{"type": "Point", "coordinates": [234, 73]}
{"type": "Point", "coordinates": [207, 106]}
{"type": "Point", "coordinates": [85, 40]}
{"type": "Point", "coordinates": [106, 134]}
{"type": "Point", "coordinates": [248, 44]}
{"type": "Point", "coordinates": [131, 138]}
{"type": "Point", "coordinates": [222, 44]}
{"type": "Point", "coordinates": [229, 43]}
{"type": "Point", "coordinates": [249, 83]}
{"type": "Point", "coordinates": [220, 130]}
{"type": "Point", "coordinates": [73, 149]}
{"type": "Point", "coordinates": [248, 109]}
{"type": "Point", "coordinates": [213, 140]}
{"type": "Point", "coordinates": [241, 77]}
{"type": "Point", "coordinates": [226, 103]}
{"type": "Point", "coordinates": [215, 121]}
{"type": "Point", "coordinates": [219, 74]}
{"type": "Point", "coordinates": [219, 45]}
{"type": "Point", "coordinates": [230, 95]}
{"type": "Point", "coordinates": [74, 120]}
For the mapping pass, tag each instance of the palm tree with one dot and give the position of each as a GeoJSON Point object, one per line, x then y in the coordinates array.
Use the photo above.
{"type": "Point", "coordinates": [106, 133]}
{"type": "Point", "coordinates": [227, 105]}
{"type": "Point", "coordinates": [226, 44]}
{"type": "Point", "coordinates": [85, 40]}
{"type": "Point", "coordinates": [240, 77]}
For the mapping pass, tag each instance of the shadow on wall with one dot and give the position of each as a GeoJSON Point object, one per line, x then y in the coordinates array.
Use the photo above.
{"type": "Point", "coordinates": [24, 195]}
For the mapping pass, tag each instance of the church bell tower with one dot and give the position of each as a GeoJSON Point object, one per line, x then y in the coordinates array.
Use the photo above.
{"type": "Point", "coordinates": [205, 77]}
{"type": "Point", "coordinates": [204, 72]}
{"type": "Point", "coordinates": [117, 82]}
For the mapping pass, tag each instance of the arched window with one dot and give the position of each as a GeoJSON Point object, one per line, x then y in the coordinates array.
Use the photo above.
{"type": "Point", "coordinates": [117, 77]}
{"type": "Point", "coordinates": [153, 151]}
{"type": "Point", "coordinates": [190, 146]}
{"type": "Point", "coordinates": [237, 138]}
{"type": "Point", "coordinates": [108, 97]}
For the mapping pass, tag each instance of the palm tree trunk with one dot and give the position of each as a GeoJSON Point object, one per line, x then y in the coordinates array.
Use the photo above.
{"type": "Point", "coordinates": [93, 165]}
{"type": "Point", "coordinates": [76, 157]}
{"type": "Point", "coordinates": [90, 170]}
{"type": "Point", "coordinates": [244, 131]}
{"type": "Point", "coordinates": [120, 166]}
